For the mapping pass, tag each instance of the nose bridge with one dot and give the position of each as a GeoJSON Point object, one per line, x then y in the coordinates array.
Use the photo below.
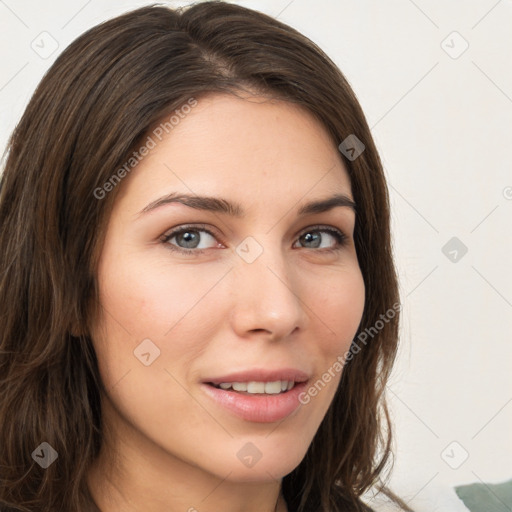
{"type": "Point", "coordinates": [266, 289]}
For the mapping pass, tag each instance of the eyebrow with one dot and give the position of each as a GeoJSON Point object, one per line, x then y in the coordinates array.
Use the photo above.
{"type": "Point", "coordinates": [219, 205]}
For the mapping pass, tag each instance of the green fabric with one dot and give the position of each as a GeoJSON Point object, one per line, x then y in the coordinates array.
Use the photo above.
{"type": "Point", "coordinates": [486, 497]}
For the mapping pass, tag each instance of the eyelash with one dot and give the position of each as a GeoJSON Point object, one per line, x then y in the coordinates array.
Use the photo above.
{"type": "Point", "coordinates": [336, 233]}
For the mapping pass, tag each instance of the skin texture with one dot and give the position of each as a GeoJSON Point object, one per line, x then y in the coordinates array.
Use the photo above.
{"type": "Point", "coordinates": [213, 313]}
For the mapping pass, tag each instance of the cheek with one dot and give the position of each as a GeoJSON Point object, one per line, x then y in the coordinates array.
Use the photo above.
{"type": "Point", "coordinates": [146, 291]}
{"type": "Point", "coordinates": [153, 301]}
{"type": "Point", "coordinates": [335, 305]}
{"type": "Point", "coordinates": [339, 305]}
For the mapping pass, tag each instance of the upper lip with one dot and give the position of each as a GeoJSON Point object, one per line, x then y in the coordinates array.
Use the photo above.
{"type": "Point", "coordinates": [261, 375]}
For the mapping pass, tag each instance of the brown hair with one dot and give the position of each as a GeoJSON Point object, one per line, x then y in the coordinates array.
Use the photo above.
{"type": "Point", "coordinates": [92, 108]}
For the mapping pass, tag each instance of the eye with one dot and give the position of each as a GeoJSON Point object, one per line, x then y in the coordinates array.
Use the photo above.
{"type": "Point", "coordinates": [315, 238]}
{"type": "Point", "coordinates": [189, 239]}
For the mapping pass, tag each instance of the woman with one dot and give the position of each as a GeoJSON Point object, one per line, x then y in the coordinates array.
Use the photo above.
{"type": "Point", "coordinates": [194, 218]}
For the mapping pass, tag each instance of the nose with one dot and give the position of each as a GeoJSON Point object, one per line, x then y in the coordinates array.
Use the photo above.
{"type": "Point", "coordinates": [266, 297]}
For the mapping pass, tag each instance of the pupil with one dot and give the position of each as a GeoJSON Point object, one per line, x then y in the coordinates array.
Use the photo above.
{"type": "Point", "coordinates": [186, 236]}
{"type": "Point", "coordinates": [315, 238]}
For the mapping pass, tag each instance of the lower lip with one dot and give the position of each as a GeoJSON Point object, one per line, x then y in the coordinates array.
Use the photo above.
{"type": "Point", "coordinates": [257, 408]}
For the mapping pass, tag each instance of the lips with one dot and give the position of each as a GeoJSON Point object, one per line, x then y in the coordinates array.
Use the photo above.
{"type": "Point", "coordinates": [260, 375]}
{"type": "Point", "coordinates": [256, 406]}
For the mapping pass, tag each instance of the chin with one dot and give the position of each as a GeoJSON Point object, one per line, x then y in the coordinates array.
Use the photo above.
{"type": "Point", "coordinates": [264, 464]}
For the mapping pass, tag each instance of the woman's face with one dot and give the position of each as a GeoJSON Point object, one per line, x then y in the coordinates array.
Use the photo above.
{"type": "Point", "coordinates": [259, 286]}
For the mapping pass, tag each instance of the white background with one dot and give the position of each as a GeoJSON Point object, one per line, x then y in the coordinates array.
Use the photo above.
{"type": "Point", "coordinates": [443, 128]}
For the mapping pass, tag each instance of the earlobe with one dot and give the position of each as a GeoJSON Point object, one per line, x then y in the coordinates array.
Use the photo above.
{"type": "Point", "coordinates": [75, 329]}
{"type": "Point", "coordinates": [74, 333]}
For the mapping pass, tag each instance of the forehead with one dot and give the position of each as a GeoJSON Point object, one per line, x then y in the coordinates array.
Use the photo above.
{"type": "Point", "coordinates": [240, 147]}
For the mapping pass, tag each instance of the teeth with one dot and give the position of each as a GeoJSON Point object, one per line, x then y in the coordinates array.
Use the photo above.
{"type": "Point", "coordinates": [253, 387]}
{"type": "Point", "coordinates": [239, 386]}
{"type": "Point", "coordinates": [258, 387]}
